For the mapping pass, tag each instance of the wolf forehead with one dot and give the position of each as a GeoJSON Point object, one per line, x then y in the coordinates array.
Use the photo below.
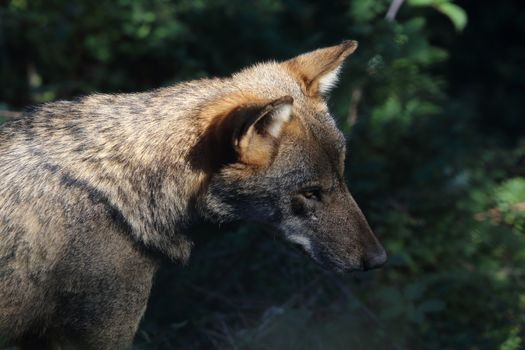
{"type": "Point", "coordinates": [270, 79]}
{"type": "Point", "coordinates": [273, 80]}
{"type": "Point", "coordinates": [318, 130]}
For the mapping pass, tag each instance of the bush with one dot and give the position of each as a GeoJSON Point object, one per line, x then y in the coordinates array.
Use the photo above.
{"type": "Point", "coordinates": [439, 174]}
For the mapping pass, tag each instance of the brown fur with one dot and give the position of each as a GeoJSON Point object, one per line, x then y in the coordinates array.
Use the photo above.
{"type": "Point", "coordinates": [95, 190]}
{"type": "Point", "coordinates": [310, 68]}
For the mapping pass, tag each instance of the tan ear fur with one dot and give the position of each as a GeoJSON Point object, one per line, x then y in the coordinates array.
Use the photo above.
{"type": "Point", "coordinates": [241, 129]}
{"type": "Point", "coordinates": [257, 144]}
{"type": "Point", "coordinates": [317, 70]}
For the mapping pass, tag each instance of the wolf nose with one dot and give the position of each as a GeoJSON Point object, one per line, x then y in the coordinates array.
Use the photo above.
{"type": "Point", "coordinates": [374, 259]}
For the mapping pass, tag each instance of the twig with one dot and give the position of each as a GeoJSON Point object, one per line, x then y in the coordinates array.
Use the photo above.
{"type": "Point", "coordinates": [357, 94]}
{"type": "Point", "coordinates": [226, 331]}
{"type": "Point", "coordinates": [10, 114]}
{"type": "Point", "coordinates": [392, 10]}
{"type": "Point", "coordinates": [213, 295]}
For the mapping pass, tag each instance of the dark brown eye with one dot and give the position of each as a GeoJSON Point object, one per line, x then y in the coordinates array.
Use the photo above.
{"type": "Point", "coordinates": [312, 193]}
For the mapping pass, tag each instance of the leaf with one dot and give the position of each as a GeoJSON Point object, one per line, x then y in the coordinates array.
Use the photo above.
{"type": "Point", "coordinates": [178, 325]}
{"type": "Point", "coordinates": [431, 305]}
{"type": "Point", "coordinates": [456, 14]}
{"type": "Point", "coordinates": [511, 191]}
{"type": "Point", "coordinates": [513, 341]}
{"type": "Point", "coordinates": [421, 2]}
{"type": "Point", "coordinates": [414, 291]}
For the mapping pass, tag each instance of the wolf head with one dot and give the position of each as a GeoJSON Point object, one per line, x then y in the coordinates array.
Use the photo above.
{"type": "Point", "coordinates": [274, 155]}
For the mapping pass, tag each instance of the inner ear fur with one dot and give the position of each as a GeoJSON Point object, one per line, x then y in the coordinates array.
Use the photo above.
{"type": "Point", "coordinates": [247, 132]}
{"type": "Point", "coordinates": [317, 71]}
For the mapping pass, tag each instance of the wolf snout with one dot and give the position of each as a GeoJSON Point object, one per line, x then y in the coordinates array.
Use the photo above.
{"type": "Point", "coordinates": [374, 258]}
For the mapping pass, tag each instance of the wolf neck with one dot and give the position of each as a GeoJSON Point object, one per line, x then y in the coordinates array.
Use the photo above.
{"type": "Point", "coordinates": [132, 149]}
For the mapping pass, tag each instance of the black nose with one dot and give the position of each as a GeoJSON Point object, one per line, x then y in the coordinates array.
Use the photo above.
{"type": "Point", "coordinates": [374, 258]}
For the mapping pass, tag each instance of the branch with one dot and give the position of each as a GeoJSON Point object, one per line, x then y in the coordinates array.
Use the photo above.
{"type": "Point", "coordinates": [357, 94]}
{"type": "Point", "coordinates": [392, 10]}
{"type": "Point", "coordinates": [10, 114]}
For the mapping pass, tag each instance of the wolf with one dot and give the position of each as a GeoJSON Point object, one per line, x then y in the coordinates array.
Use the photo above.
{"type": "Point", "coordinates": [95, 192]}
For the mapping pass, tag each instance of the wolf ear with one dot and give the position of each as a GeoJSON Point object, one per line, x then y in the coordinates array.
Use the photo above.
{"type": "Point", "coordinates": [259, 128]}
{"type": "Point", "coordinates": [317, 71]}
{"type": "Point", "coordinates": [245, 130]}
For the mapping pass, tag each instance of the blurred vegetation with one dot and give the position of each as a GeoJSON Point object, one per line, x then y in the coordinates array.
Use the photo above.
{"type": "Point", "coordinates": [432, 104]}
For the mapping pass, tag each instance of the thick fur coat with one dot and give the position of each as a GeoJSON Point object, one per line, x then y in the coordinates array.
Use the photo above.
{"type": "Point", "coordinates": [93, 191]}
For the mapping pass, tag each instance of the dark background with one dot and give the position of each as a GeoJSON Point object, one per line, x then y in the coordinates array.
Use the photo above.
{"type": "Point", "coordinates": [433, 113]}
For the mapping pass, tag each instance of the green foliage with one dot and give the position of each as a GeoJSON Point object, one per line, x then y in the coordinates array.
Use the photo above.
{"type": "Point", "coordinates": [510, 200]}
{"type": "Point", "coordinates": [436, 161]}
{"type": "Point", "coordinates": [513, 342]}
{"type": "Point", "coordinates": [456, 14]}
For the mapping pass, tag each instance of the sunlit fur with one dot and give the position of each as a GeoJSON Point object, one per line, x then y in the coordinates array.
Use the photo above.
{"type": "Point", "coordinates": [94, 191]}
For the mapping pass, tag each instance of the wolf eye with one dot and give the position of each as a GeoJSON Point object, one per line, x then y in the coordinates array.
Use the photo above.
{"type": "Point", "coordinates": [312, 193]}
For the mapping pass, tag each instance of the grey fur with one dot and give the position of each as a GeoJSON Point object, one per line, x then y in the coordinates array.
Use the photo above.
{"type": "Point", "coordinates": [94, 190]}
